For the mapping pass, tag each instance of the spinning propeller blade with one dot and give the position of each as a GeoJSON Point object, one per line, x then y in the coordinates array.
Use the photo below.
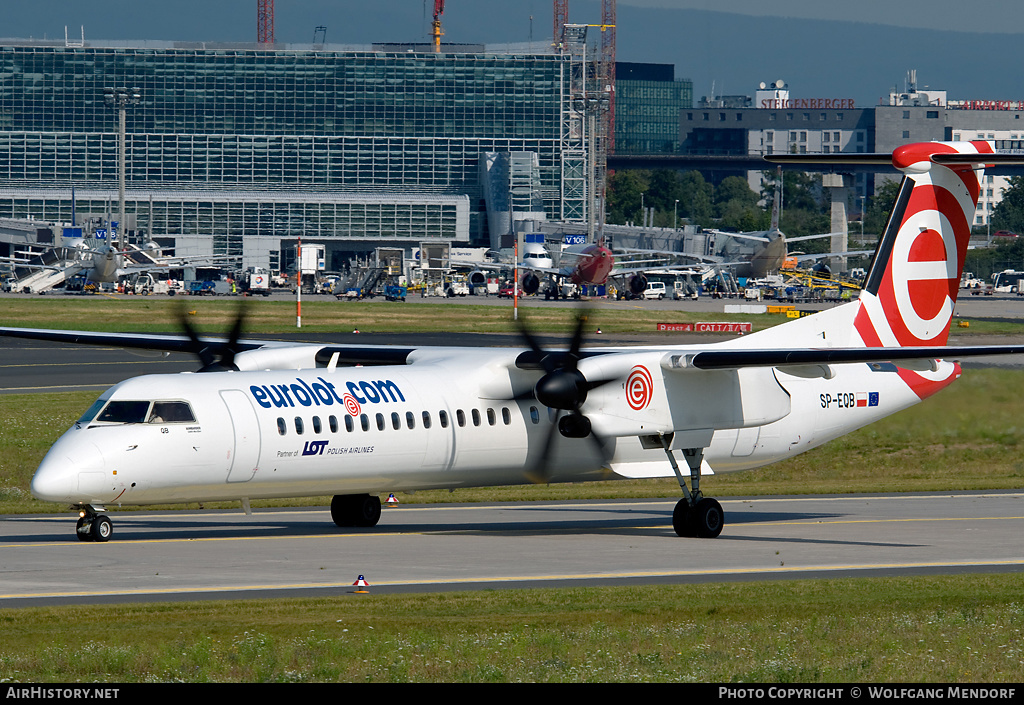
{"type": "Point", "coordinates": [207, 351]}
{"type": "Point", "coordinates": [563, 388]}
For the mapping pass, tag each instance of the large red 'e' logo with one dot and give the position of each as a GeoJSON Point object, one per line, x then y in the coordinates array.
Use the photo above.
{"type": "Point", "coordinates": [639, 388]}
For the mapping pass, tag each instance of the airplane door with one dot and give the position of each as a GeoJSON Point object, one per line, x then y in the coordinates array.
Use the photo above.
{"type": "Point", "coordinates": [440, 441]}
{"type": "Point", "coordinates": [746, 441]}
{"type": "Point", "coordinates": [245, 447]}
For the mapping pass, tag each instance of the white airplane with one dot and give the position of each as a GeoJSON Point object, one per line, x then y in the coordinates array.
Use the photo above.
{"type": "Point", "coordinates": [751, 261]}
{"type": "Point", "coordinates": [108, 263]}
{"type": "Point", "coordinates": [271, 419]}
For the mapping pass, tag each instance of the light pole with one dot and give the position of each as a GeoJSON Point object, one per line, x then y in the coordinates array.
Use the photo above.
{"type": "Point", "coordinates": [862, 219]}
{"type": "Point", "coordinates": [675, 215]}
{"type": "Point", "coordinates": [121, 98]}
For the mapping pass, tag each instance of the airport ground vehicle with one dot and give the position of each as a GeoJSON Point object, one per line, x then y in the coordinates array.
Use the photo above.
{"type": "Point", "coordinates": [655, 290]}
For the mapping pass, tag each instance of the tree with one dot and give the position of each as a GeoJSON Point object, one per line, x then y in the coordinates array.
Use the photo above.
{"type": "Point", "coordinates": [1009, 213]}
{"type": "Point", "coordinates": [804, 211]}
{"type": "Point", "coordinates": [880, 206]}
{"type": "Point", "coordinates": [697, 199]}
{"type": "Point", "coordinates": [624, 189]}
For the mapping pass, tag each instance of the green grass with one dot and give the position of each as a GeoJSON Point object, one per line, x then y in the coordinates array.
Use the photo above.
{"type": "Point", "coordinates": [937, 629]}
{"type": "Point", "coordinates": [161, 314]}
{"type": "Point", "coordinates": [215, 316]}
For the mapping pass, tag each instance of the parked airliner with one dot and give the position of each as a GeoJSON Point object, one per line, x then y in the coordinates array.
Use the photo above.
{"type": "Point", "coordinates": [270, 419]}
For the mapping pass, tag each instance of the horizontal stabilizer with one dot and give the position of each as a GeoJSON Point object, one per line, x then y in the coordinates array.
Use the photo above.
{"type": "Point", "coordinates": [736, 359]}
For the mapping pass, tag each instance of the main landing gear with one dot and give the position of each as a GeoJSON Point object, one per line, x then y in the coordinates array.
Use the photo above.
{"type": "Point", "coordinates": [695, 514]}
{"type": "Point", "coordinates": [93, 525]}
{"type": "Point", "coordinates": [355, 509]}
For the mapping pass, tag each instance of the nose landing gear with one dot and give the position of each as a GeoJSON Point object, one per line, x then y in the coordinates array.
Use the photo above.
{"type": "Point", "coordinates": [93, 525]}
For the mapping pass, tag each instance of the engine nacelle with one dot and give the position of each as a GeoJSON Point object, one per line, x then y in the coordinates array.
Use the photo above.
{"type": "Point", "coordinates": [637, 284]}
{"type": "Point", "coordinates": [531, 283]}
{"type": "Point", "coordinates": [477, 278]}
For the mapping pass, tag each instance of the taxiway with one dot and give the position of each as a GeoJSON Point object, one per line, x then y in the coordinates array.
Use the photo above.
{"type": "Point", "coordinates": [193, 554]}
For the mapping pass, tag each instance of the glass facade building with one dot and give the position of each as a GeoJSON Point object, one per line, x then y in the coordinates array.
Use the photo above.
{"type": "Point", "coordinates": [240, 141]}
{"type": "Point", "coordinates": [648, 102]}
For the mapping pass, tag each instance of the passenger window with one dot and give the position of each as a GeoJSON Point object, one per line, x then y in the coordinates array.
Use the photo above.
{"type": "Point", "coordinates": [426, 419]}
{"type": "Point", "coordinates": [298, 425]}
{"type": "Point", "coordinates": [443, 416]}
{"type": "Point", "coordinates": [396, 421]}
{"type": "Point", "coordinates": [317, 427]}
{"type": "Point", "coordinates": [282, 427]}
{"type": "Point", "coordinates": [333, 421]}
{"type": "Point", "coordinates": [506, 416]}
{"type": "Point", "coordinates": [410, 420]}
{"type": "Point", "coordinates": [380, 422]}
{"type": "Point", "coordinates": [364, 421]}
{"type": "Point", "coordinates": [534, 415]}
{"type": "Point", "coordinates": [491, 419]}
{"type": "Point", "coordinates": [350, 425]}
{"type": "Point", "coordinates": [476, 417]}
{"type": "Point", "coordinates": [460, 417]}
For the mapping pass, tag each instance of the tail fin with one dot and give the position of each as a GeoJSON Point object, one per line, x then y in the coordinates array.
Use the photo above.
{"type": "Point", "coordinates": [914, 277]}
{"type": "Point", "coordinates": [777, 202]}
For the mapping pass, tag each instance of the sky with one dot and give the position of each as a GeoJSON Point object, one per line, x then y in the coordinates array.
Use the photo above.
{"type": "Point", "coordinates": [1002, 16]}
{"type": "Point", "coordinates": [821, 48]}
{"type": "Point", "coordinates": [235, 20]}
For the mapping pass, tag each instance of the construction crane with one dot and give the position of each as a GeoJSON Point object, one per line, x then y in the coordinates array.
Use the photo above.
{"type": "Point", "coordinates": [436, 26]}
{"type": "Point", "coordinates": [265, 21]}
{"type": "Point", "coordinates": [561, 8]}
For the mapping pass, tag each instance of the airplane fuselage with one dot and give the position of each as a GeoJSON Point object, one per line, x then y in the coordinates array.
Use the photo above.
{"type": "Point", "coordinates": [389, 428]}
{"type": "Point", "coordinates": [593, 266]}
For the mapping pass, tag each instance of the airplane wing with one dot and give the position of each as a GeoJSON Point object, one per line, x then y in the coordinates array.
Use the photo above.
{"type": "Point", "coordinates": [769, 357]}
{"type": "Point", "coordinates": [822, 255]}
{"type": "Point", "coordinates": [742, 236]}
{"type": "Point", "coordinates": [492, 267]}
{"type": "Point", "coordinates": [809, 237]}
{"type": "Point", "coordinates": [682, 357]}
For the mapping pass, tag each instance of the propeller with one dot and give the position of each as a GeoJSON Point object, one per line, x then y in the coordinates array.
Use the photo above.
{"type": "Point", "coordinates": [562, 388]}
{"type": "Point", "coordinates": [208, 351]}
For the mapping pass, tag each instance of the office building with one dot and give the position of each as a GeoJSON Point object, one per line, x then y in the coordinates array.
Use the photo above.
{"type": "Point", "coordinates": [239, 149]}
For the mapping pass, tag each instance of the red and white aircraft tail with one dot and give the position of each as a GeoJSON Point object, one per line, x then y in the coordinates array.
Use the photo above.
{"type": "Point", "coordinates": [914, 277]}
{"type": "Point", "coordinates": [912, 284]}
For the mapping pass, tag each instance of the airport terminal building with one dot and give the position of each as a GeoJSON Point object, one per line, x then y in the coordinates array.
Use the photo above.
{"type": "Point", "coordinates": [240, 149]}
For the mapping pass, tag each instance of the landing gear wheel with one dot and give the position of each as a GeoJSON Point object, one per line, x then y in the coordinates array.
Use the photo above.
{"type": "Point", "coordinates": [368, 510]}
{"type": "Point", "coordinates": [682, 520]}
{"type": "Point", "coordinates": [708, 518]}
{"type": "Point", "coordinates": [355, 510]}
{"type": "Point", "coordinates": [102, 528]}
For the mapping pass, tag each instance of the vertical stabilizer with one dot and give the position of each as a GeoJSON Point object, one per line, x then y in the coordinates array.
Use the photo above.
{"type": "Point", "coordinates": [777, 202]}
{"type": "Point", "coordinates": [914, 277]}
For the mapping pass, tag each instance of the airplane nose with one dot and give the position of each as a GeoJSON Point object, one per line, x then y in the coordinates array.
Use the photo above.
{"type": "Point", "coordinates": [61, 473]}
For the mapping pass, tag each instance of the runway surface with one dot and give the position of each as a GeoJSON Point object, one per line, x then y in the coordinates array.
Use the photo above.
{"type": "Point", "coordinates": [189, 555]}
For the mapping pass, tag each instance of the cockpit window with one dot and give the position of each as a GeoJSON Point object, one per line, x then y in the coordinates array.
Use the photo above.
{"type": "Point", "coordinates": [171, 412]}
{"type": "Point", "coordinates": [157, 412]}
{"type": "Point", "coordinates": [124, 412]}
{"type": "Point", "coordinates": [91, 412]}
